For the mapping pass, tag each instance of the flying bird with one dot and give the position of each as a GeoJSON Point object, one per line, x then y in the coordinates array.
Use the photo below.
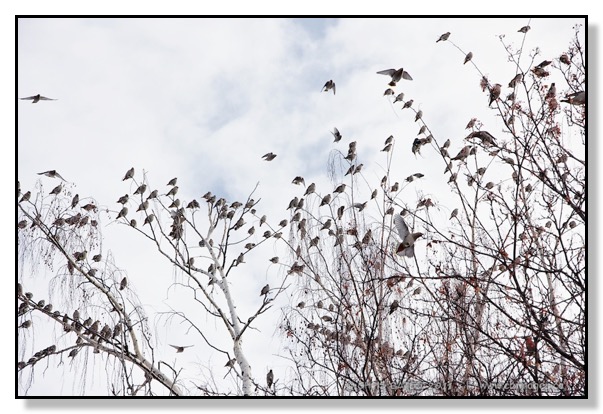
{"type": "Point", "coordinates": [444, 37]}
{"type": "Point", "coordinates": [406, 247]}
{"type": "Point", "coordinates": [336, 135]}
{"type": "Point", "coordinates": [396, 75]}
{"type": "Point", "coordinates": [36, 98]}
{"type": "Point", "coordinates": [328, 86]}
{"type": "Point", "coordinates": [52, 174]}
{"type": "Point", "coordinates": [269, 157]}
{"type": "Point", "coordinates": [179, 348]}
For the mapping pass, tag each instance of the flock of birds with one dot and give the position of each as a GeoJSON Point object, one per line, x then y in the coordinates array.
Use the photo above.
{"type": "Point", "coordinates": [407, 237]}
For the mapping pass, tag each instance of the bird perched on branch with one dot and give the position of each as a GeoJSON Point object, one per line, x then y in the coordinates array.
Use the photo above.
{"type": "Point", "coordinates": [129, 174]}
{"type": "Point", "coordinates": [269, 378]}
{"type": "Point", "coordinates": [468, 57]}
{"type": "Point", "coordinates": [37, 98]}
{"type": "Point", "coordinates": [406, 247]}
{"type": "Point", "coordinates": [179, 348]}
{"type": "Point", "coordinates": [576, 98]}
{"type": "Point", "coordinates": [443, 37]}
{"type": "Point", "coordinates": [265, 290]}
{"type": "Point", "coordinates": [494, 93]}
{"type": "Point", "coordinates": [328, 86]}
{"type": "Point", "coordinates": [524, 29]}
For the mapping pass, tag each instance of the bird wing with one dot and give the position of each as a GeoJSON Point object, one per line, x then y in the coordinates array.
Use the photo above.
{"type": "Point", "coordinates": [406, 75]}
{"type": "Point", "coordinates": [401, 226]}
{"type": "Point", "coordinates": [388, 72]}
{"type": "Point", "coordinates": [43, 98]}
{"type": "Point", "coordinates": [28, 98]}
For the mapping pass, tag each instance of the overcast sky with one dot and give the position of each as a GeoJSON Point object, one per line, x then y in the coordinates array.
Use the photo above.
{"type": "Point", "coordinates": [204, 99]}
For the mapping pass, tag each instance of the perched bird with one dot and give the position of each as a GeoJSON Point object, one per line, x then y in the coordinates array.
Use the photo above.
{"type": "Point", "coordinates": [269, 378]}
{"type": "Point", "coordinates": [173, 181]}
{"type": "Point", "coordinates": [530, 346]}
{"type": "Point", "coordinates": [36, 98]}
{"type": "Point", "coordinates": [340, 189]}
{"type": "Point", "coordinates": [327, 225]}
{"type": "Point", "coordinates": [419, 115]}
{"type": "Point", "coordinates": [454, 213]}
{"type": "Point", "coordinates": [265, 290]}
{"type": "Point", "coordinates": [179, 348]}
{"type": "Point", "coordinates": [336, 135]}
{"type": "Point", "coordinates": [446, 144]}
{"type": "Point", "coordinates": [123, 199]}
{"type": "Point", "coordinates": [399, 97]}
{"type": "Point", "coordinates": [518, 78]}
{"type": "Point", "coordinates": [565, 59]}
{"type": "Point", "coordinates": [172, 191]}
{"type": "Point", "coordinates": [396, 75]}
{"type": "Point", "coordinates": [468, 57]}
{"type": "Point", "coordinates": [269, 157]}
{"type": "Point", "coordinates": [123, 212]}
{"type": "Point", "coordinates": [153, 194]}
{"type": "Point", "coordinates": [576, 98]}
{"type": "Point", "coordinates": [149, 219]}
{"type": "Point", "coordinates": [444, 37]}
{"type": "Point", "coordinates": [75, 200]}
{"type": "Point", "coordinates": [298, 180]}
{"type": "Point", "coordinates": [25, 197]}
{"type": "Point", "coordinates": [230, 363]}
{"type": "Point", "coordinates": [408, 104]}
{"type": "Point", "coordinates": [388, 91]}
{"type": "Point", "coordinates": [416, 146]}
{"type": "Point", "coordinates": [123, 284]}
{"type": "Point", "coordinates": [485, 136]}
{"type": "Point", "coordinates": [393, 306]}
{"type": "Point", "coordinates": [310, 189]}
{"type": "Point", "coordinates": [57, 189]}
{"type": "Point", "coordinates": [524, 29]}
{"type": "Point", "coordinates": [551, 92]}
{"type": "Point", "coordinates": [328, 86]}
{"type": "Point", "coordinates": [129, 174]}
{"type": "Point", "coordinates": [274, 260]}
{"type": "Point", "coordinates": [494, 93]}
{"type": "Point", "coordinates": [141, 189]}
{"type": "Point", "coordinates": [406, 247]}
{"type": "Point", "coordinates": [325, 200]}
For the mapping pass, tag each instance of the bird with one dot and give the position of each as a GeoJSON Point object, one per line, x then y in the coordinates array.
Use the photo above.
{"type": "Point", "coordinates": [565, 59]}
{"type": "Point", "coordinates": [494, 93]}
{"type": "Point", "coordinates": [530, 346]}
{"type": "Point", "coordinates": [524, 29]}
{"type": "Point", "coordinates": [387, 148]}
{"type": "Point", "coordinates": [129, 174]}
{"type": "Point", "coordinates": [408, 104]}
{"type": "Point", "coordinates": [26, 196]}
{"type": "Point", "coordinates": [180, 348]}
{"type": "Point", "coordinates": [518, 78]}
{"type": "Point", "coordinates": [399, 97]}
{"type": "Point", "coordinates": [419, 115]}
{"type": "Point", "coordinates": [388, 91]}
{"type": "Point", "coordinates": [444, 37]}
{"type": "Point", "coordinates": [123, 199]}
{"type": "Point", "coordinates": [57, 189]}
{"type": "Point", "coordinates": [416, 146]}
{"type": "Point", "coordinates": [298, 180]}
{"type": "Point", "coordinates": [393, 306]}
{"type": "Point", "coordinates": [269, 378]}
{"type": "Point", "coordinates": [149, 219]}
{"type": "Point", "coordinates": [544, 64]}
{"type": "Point", "coordinates": [468, 57]}
{"type": "Point", "coordinates": [463, 153]}
{"type": "Point", "coordinates": [123, 212]}
{"type": "Point", "coordinates": [52, 174]}
{"type": "Point", "coordinates": [123, 284]}
{"type": "Point", "coordinates": [396, 75]}
{"type": "Point", "coordinates": [231, 363]}
{"type": "Point", "coordinates": [576, 98]}
{"type": "Point", "coordinates": [336, 135]}
{"type": "Point", "coordinates": [265, 290]}
{"type": "Point", "coordinates": [75, 200]}
{"type": "Point", "coordinates": [37, 98]}
{"type": "Point", "coordinates": [172, 191]}
{"type": "Point", "coordinates": [325, 200]}
{"type": "Point", "coordinates": [173, 181]}
{"type": "Point", "coordinates": [269, 157]}
{"type": "Point", "coordinates": [328, 86]}
{"type": "Point", "coordinates": [454, 213]}
{"type": "Point", "coordinates": [310, 189]}
{"type": "Point", "coordinates": [340, 189]}
{"type": "Point", "coordinates": [406, 247]}
{"type": "Point", "coordinates": [551, 92]}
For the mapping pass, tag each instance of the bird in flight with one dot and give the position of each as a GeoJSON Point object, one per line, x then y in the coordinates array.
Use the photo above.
{"type": "Point", "coordinates": [407, 247]}
{"type": "Point", "coordinates": [396, 75]}
{"type": "Point", "coordinates": [52, 174]}
{"type": "Point", "coordinates": [179, 348]}
{"type": "Point", "coordinates": [269, 157]}
{"type": "Point", "coordinates": [37, 98]}
{"type": "Point", "coordinates": [328, 86]}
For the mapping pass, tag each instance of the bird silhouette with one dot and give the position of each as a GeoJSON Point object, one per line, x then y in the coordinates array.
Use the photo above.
{"type": "Point", "coordinates": [524, 29]}
{"type": "Point", "coordinates": [180, 348]}
{"type": "Point", "coordinates": [52, 174]}
{"type": "Point", "coordinates": [265, 290]}
{"type": "Point", "coordinates": [328, 86]}
{"type": "Point", "coordinates": [129, 174]}
{"type": "Point", "coordinates": [337, 136]}
{"type": "Point", "coordinates": [468, 57]}
{"type": "Point", "coordinates": [269, 157]}
{"type": "Point", "coordinates": [269, 378]}
{"type": "Point", "coordinates": [443, 37]}
{"type": "Point", "coordinates": [396, 75]}
{"type": "Point", "coordinates": [37, 98]}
